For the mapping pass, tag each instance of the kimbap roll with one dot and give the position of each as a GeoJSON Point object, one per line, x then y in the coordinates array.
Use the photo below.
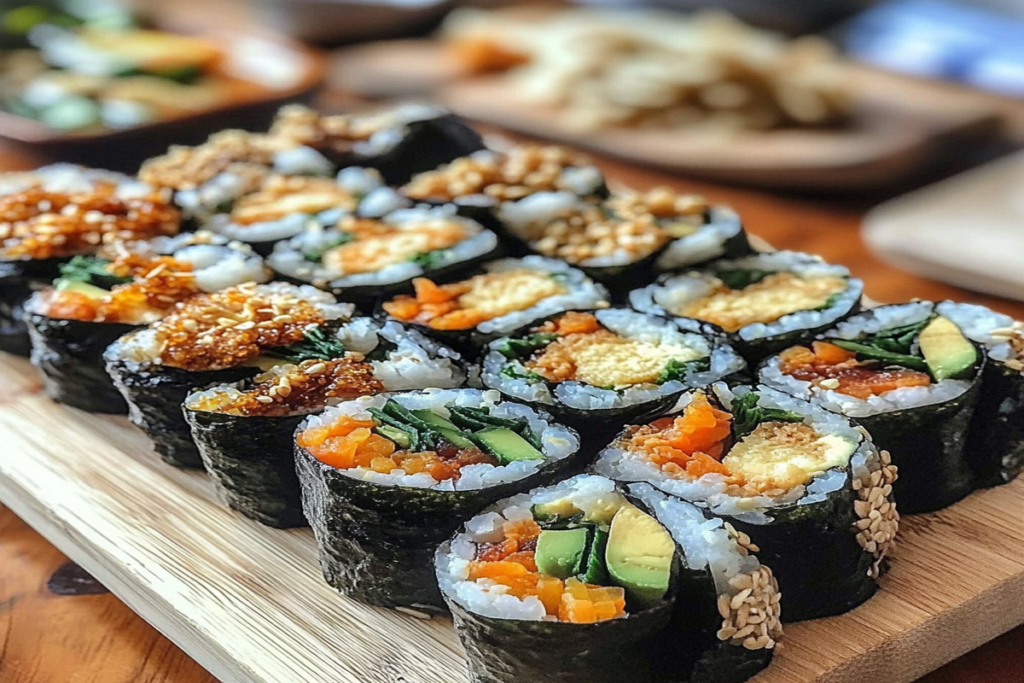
{"type": "Point", "coordinates": [56, 212]}
{"type": "Point", "coordinates": [510, 295]}
{"type": "Point", "coordinates": [798, 480]}
{"type": "Point", "coordinates": [618, 240]}
{"type": "Point", "coordinates": [600, 368]}
{"type": "Point", "coordinates": [763, 302]}
{"type": "Point", "coordinates": [995, 444]}
{"type": "Point", "coordinates": [125, 285]}
{"type": "Point", "coordinates": [361, 258]}
{"type": "Point", "coordinates": [245, 430]}
{"type": "Point", "coordinates": [223, 336]}
{"type": "Point", "coordinates": [911, 378]}
{"type": "Point", "coordinates": [587, 581]}
{"type": "Point", "coordinates": [386, 479]}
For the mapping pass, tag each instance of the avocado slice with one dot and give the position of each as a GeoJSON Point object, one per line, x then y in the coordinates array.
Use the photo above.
{"type": "Point", "coordinates": [560, 553]}
{"type": "Point", "coordinates": [506, 445]}
{"type": "Point", "coordinates": [65, 285]}
{"type": "Point", "coordinates": [594, 570]}
{"type": "Point", "coordinates": [639, 556]}
{"type": "Point", "coordinates": [948, 353]}
{"type": "Point", "coordinates": [444, 427]}
{"type": "Point", "coordinates": [556, 509]}
{"type": "Point", "coordinates": [395, 434]}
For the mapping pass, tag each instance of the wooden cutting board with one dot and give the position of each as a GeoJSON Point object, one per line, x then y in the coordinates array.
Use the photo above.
{"type": "Point", "coordinates": [249, 604]}
{"type": "Point", "coordinates": [899, 128]}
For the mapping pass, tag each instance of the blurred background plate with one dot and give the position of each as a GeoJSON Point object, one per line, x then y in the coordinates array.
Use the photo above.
{"type": "Point", "coordinates": [967, 230]}
{"type": "Point", "coordinates": [265, 71]}
{"type": "Point", "coordinates": [342, 21]}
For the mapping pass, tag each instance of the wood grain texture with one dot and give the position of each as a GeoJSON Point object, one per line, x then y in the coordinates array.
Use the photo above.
{"type": "Point", "coordinates": [249, 604]}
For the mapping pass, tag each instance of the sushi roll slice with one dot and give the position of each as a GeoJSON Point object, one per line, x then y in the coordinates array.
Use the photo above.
{"type": "Point", "coordinates": [399, 142]}
{"type": "Point", "coordinates": [481, 182]}
{"type": "Point", "coordinates": [245, 430]}
{"type": "Point", "coordinates": [510, 295]}
{"type": "Point", "coordinates": [359, 259]}
{"type": "Point", "coordinates": [126, 285]}
{"type": "Point", "coordinates": [763, 302]}
{"type": "Point", "coordinates": [56, 212]}
{"type": "Point", "coordinates": [283, 206]}
{"type": "Point", "coordinates": [211, 338]}
{"type": "Point", "coordinates": [585, 580]}
{"type": "Point", "coordinates": [598, 369]}
{"type": "Point", "coordinates": [386, 479]}
{"type": "Point", "coordinates": [797, 479]}
{"type": "Point", "coordinates": [911, 378]}
{"type": "Point", "coordinates": [617, 241]}
{"type": "Point", "coordinates": [995, 444]}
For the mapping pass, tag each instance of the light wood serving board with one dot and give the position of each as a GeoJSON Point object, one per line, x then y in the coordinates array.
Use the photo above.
{"type": "Point", "coordinates": [249, 604]}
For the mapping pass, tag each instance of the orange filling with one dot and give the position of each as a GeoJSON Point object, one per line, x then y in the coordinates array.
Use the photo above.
{"type": "Point", "coordinates": [693, 442]}
{"type": "Point", "coordinates": [511, 563]}
{"type": "Point", "coordinates": [347, 443]}
{"type": "Point", "coordinates": [830, 366]}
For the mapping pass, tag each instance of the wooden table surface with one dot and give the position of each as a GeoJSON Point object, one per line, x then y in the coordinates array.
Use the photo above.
{"type": "Point", "coordinates": [57, 625]}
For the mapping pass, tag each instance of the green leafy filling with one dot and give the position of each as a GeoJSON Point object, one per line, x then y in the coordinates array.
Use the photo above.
{"type": "Point", "coordinates": [520, 348]}
{"type": "Point", "coordinates": [91, 270]}
{"type": "Point", "coordinates": [747, 415]}
{"type": "Point", "coordinates": [429, 260]}
{"type": "Point", "coordinates": [316, 255]}
{"type": "Point", "coordinates": [741, 278]}
{"type": "Point", "coordinates": [893, 346]}
{"type": "Point", "coordinates": [678, 370]}
{"type": "Point", "coordinates": [315, 345]}
{"type": "Point", "coordinates": [512, 372]}
{"type": "Point", "coordinates": [875, 353]}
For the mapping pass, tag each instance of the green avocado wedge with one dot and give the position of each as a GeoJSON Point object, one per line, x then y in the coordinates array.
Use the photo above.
{"type": "Point", "coordinates": [948, 353]}
{"type": "Point", "coordinates": [560, 553]}
{"type": "Point", "coordinates": [639, 556]}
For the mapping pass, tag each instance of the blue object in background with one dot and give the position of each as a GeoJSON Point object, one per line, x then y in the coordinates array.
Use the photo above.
{"type": "Point", "coordinates": [938, 39]}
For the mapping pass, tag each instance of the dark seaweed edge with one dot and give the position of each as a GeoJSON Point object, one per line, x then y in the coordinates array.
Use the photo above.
{"type": "Point", "coordinates": [19, 279]}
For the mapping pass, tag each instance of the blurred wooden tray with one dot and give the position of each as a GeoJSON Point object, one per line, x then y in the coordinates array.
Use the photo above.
{"type": "Point", "coordinates": [967, 230]}
{"type": "Point", "coordinates": [263, 73]}
{"type": "Point", "coordinates": [899, 127]}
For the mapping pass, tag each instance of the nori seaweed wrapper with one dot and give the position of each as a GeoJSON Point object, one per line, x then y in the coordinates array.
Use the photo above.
{"type": "Point", "coordinates": [155, 394]}
{"type": "Point", "coordinates": [995, 442]}
{"type": "Point", "coordinates": [929, 445]}
{"type": "Point", "coordinates": [428, 143]}
{"type": "Point", "coordinates": [69, 353]}
{"type": "Point", "coordinates": [377, 543]}
{"type": "Point", "coordinates": [250, 460]}
{"type": "Point", "coordinates": [19, 279]}
{"type": "Point", "coordinates": [519, 651]}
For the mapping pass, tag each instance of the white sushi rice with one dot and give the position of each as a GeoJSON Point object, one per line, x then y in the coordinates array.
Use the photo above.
{"type": "Point", "coordinates": [588, 493]}
{"type": "Point", "coordinates": [632, 325]}
{"type": "Point", "coordinates": [289, 257]}
{"type": "Point", "coordinates": [706, 244]}
{"type": "Point", "coordinates": [557, 442]}
{"type": "Point", "coordinates": [978, 323]}
{"type": "Point", "coordinates": [72, 179]}
{"type": "Point", "coordinates": [710, 490]}
{"type": "Point", "coordinates": [143, 347]}
{"type": "Point", "coordinates": [902, 398]}
{"type": "Point", "coordinates": [394, 127]}
{"type": "Point", "coordinates": [217, 262]}
{"type": "Point", "coordinates": [412, 362]}
{"type": "Point", "coordinates": [302, 160]}
{"type": "Point", "coordinates": [676, 292]}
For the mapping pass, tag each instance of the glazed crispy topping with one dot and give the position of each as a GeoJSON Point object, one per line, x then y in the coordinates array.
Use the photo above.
{"type": "Point", "coordinates": [466, 304]}
{"type": "Point", "coordinates": [248, 155]}
{"type": "Point", "coordinates": [765, 301]}
{"type": "Point", "coordinates": [1014, 336]}
{"type": "Point", "coordinates": [290, 389]}
{"type": "Point", "coordinates": [374, 244]}
{"type": "Point", "coordinates": [636, 223]}
{"type": "Point", "coordinates": [38, 224]}
{"type": "Point", "coordinates": [159, 282]}
{"type": "Point", "coordinates": [230, 327]}
{"type": "Point", "coordinates": [828, 366]}
{"type": "Point", "coordinates": [515, 174]}
{"type": "Point", "coordinates": [282, 196]}
{"type": "Point", "coordinates": [336, 133]}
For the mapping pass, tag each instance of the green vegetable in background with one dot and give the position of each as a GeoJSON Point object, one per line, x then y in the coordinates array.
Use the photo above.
{"type": "Point", "coordinates": [315, 345]}
{"type": "Point", "coordinates": [91, 270]}
{"type": "Point", "coordinates": [747, 415]}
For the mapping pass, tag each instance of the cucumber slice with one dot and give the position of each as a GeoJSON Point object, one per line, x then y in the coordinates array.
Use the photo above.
{"type": "Point", "coordinates": [401, 438]}
{"type": "Point", "coordinates": [443, 427]}
{"type": "Point", "coordinates": [594, 569]}
{"type": "Point", "coordinates": [506, 445]}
